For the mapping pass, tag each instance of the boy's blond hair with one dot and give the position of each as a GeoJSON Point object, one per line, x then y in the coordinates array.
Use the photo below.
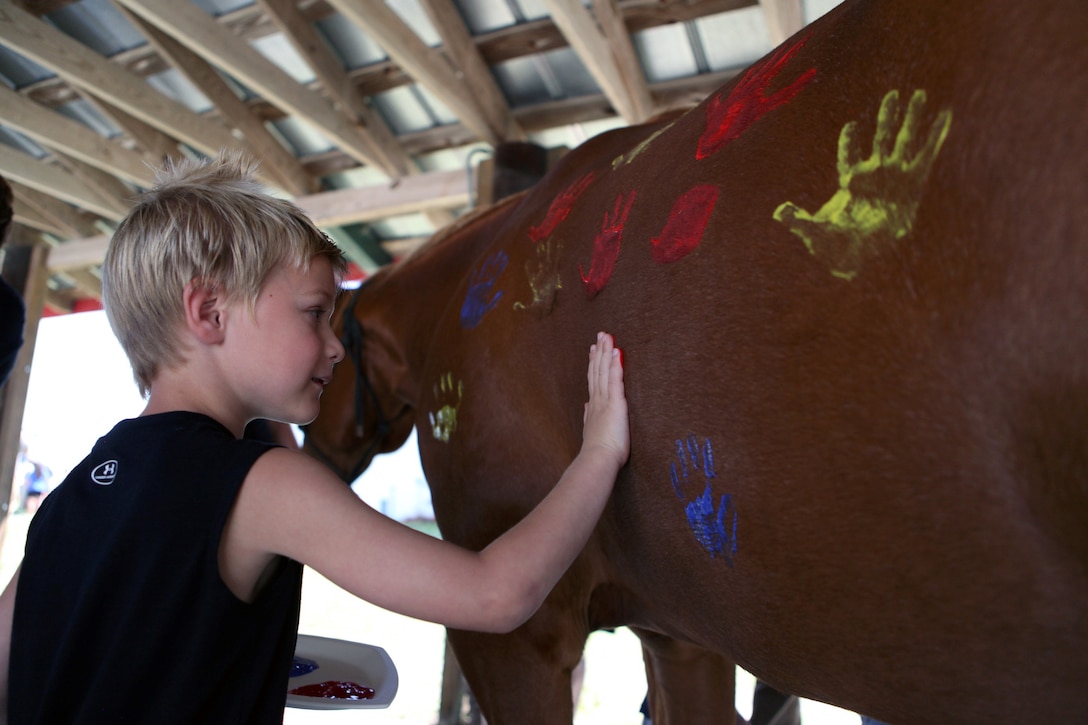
{"type": "Point", "coordinates": [207, 221]}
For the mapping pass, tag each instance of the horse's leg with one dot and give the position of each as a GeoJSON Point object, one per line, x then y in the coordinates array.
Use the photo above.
{"type": "Point", "coordinates": [688, 685]}
{"type": "Point", "coordinates": [771, 707]}
{"type": "Point", "coordinates": [522, 678]}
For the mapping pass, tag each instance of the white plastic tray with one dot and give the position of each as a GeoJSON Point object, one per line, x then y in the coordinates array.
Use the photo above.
{"type": "Point", "coordinates": [340, 660]}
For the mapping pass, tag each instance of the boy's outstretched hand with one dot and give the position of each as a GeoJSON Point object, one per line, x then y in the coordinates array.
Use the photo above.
{"type": "Point", "coordinates": [605, 419]}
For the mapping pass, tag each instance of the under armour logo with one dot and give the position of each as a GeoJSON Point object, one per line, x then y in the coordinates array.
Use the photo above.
{"type": "Point", "coordinates": [104, 473]}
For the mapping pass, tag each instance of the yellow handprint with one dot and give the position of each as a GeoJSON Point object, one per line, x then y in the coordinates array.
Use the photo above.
{"type": "Point", "coordinates": [444, 421]}
{"type": "Point", "coordinates": [878, 197]}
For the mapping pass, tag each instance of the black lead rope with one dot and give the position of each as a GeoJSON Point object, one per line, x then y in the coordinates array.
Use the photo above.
{"type": "Point", "coordinates": [352, 339]}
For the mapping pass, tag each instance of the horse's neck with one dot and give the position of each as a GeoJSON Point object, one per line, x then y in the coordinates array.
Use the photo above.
{"type": "Point", "coordinates": [425, 284]}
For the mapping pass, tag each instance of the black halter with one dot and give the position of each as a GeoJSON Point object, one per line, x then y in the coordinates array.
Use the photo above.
{"type": "Point", "coordinates": [351, 338]}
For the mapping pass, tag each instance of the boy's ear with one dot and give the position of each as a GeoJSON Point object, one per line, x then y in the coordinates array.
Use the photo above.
{"type": "Point", "coordinates": [203, 311]}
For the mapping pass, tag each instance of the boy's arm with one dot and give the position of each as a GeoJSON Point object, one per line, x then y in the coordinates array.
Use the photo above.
{"type": "Point", "coordinates": [7, 613]}
{"type": "Point", "coordinates": [293, 506]}
{"type": "Point", "coordinates": [566, 517]}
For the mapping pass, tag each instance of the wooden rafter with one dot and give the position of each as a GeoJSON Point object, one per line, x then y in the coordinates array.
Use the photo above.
{"type": "Point", "coordinates": [435, 190]}
{"type": "Point", "coordinates": [54, 181]}
{"type": "Point", "coordinates": [196, 30]}
{"type": "Point", "coordinates": [427, 66]}
{"type": "Point", "coordinates": [466, 57]}
{"type": "Point", "coordinates": [585, 36]}
{"type": "Point", "coordinates": [275, 158]}
{"type": "Point", "coordinates": [82, 67]}
{"type": "Point", "coordinates": [338, 85]}
{"type": "Point", "coordinates": [70, 137]}
{"type": "Point", "coordinates": [49, 214]}
{"type": "Point", "coordinates": [784, 18]}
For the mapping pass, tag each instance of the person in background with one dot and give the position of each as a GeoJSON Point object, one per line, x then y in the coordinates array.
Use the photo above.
{"type": "Point", "coordinates": [23, 468]}
{"type": "Point", "coordinates": [37, 486]}
{"type": "Point", "coordinates": [12, 308]}
{"type": "Point", "coordinates": [162, 579]}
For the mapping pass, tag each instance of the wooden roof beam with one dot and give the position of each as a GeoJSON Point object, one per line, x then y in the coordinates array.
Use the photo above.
{"type": "Point", "coordinates": [633, 78]}
{"type": "Point", "coordinates": [337, 83]}
{"type": "Point", "coordinates": [82, 67]}
{"type": "Point", "coordinates": [153, 145]}
{"type": "Point", "coordinates": [442, 190]}
{"type": "Point", "coordinates": [107, 187]}
{"type": "Point", "coordinates": [275, 159]}
{"type": "Point", "coordinates": [603, 53]}
{"type": "Point", "coordinates": [334, 78]}
{"type": "Point", "coordinates": [425, 65]}
{"type": "Point", "coordinates": [54, 181]}
{"type": "Point", "coordinates": [49, 214]}
{"type": "Point", "coordinates": [199, 32]}
{"type": "Point", "coordinates": [60, 133]}
{"type": "Point", "coordinates": [28, 217]}
{"type": "Point", "coordinates": [784, 18]}
{"type": "Point", "coordinates": [461, 47]}
{"type": "Point", "coordinates": [87, 282]}
{"type": "Point", "coordinates": [433, 190]}
{"type": "Point", "coordinates": [679, 93]}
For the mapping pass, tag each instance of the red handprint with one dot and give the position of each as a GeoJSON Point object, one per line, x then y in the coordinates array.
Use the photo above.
{"type": "Point", "coordinates": [748, 101]}
{"type": "Point", "coordinates": [687, 221]}
{"type": "Point", "coordinates": [606, 245]}
{"type": "Point", "coordinates": [560, 208]}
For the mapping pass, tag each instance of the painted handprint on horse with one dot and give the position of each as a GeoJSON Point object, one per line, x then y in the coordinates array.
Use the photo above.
{"type": "Point", "coordinates": [714, 526]}
{"type": "Point", "coordinates": [482, 296]}
{"type": "Point", "coordinates": [878, 196]}
{"type": "Point", "coordinates": [444, 420]}
{"type": "Point", "coordinates": [750, 100]}
{"type": "Point", "coordinates": [543, 277]}
{"type": "Point", "coordinates": [606, 245]}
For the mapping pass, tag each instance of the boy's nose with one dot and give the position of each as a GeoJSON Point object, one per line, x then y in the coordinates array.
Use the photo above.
{"type": "Point", "coordinates": [336, 348]}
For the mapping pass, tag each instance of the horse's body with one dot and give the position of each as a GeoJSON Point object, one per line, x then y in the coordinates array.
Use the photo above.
{"type": "Point", "coordinates": [856, 355]}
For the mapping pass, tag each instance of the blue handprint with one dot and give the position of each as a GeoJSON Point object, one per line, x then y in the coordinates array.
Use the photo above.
{"type": "Point", "coordinates": [686, 450]}
{"type": "Point", "coordinates": [479, 299]}
{"type": "Point", "coordinates": [714, 529]}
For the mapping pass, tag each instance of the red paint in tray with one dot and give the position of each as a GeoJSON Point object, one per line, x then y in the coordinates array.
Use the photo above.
{"type": "Point", "coordinates": [335, 690]}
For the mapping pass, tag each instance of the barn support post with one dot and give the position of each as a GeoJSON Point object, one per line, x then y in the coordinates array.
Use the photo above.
{"type": "Point", "coordinates": [515, 166]}
{"type": "Point", "coordinates": [518, 166]}
{"type": "Point", "coordinates": [24, 269]}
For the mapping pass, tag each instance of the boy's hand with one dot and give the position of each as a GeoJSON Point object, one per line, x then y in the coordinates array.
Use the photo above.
{"type": "Point", "coordinates": [605, 418]}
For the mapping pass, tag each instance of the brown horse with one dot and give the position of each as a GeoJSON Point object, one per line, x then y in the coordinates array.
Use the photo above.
{"type": "Point", "coordinates": [852, 292]}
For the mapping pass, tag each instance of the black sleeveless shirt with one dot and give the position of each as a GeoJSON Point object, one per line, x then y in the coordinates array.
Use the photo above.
{"type": "Point", "coordinates": [121, 615]}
